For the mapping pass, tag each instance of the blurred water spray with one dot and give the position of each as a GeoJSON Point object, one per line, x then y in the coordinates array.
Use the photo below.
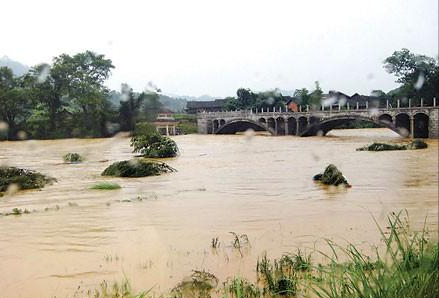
{"type": "Point", "coordinates": [44, 73]}
{"type": "Point", "coordinates": [420, 82]}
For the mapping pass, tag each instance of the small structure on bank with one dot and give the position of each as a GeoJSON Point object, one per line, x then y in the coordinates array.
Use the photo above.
{"type": "Point", "coordinates": [165, 123]}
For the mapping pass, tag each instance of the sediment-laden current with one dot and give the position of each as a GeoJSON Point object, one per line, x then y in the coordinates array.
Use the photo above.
{"type": "Point", "coordinates": [155, 230]}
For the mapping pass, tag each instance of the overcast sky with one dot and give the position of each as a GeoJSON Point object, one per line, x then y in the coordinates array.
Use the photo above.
{"type": "Point", "coordinates": [214, 47]}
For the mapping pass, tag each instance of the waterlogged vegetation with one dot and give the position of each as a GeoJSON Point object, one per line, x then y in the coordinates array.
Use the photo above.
{"type": "Point", "coordinates": [73, 158]}
{"type": "Point", "coordinates": [407, 266]}
{"type": "Point", "coordinates": [415, 144]}
{"type": "Point", "coordinates": [105, 186]}
{"type": "Point", "coordinates": [137, 168]}
{"type": "Point", "coordinates": [331, 176]}
{"type": "Point", "coordinates": [149, 143]}
{"type": "Point", "coordinates": [12, 177]}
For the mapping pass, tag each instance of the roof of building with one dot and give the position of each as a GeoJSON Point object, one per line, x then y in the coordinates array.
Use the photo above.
{"type": "Point", "coordinates": [217, 103]}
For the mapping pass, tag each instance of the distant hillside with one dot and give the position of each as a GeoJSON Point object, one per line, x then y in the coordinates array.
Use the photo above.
{"type": "Point", "coordinates": [171, 103]}
{"type": "Point", "coordinates": [193, 98]}
{"type": "Point", "coordinates": [18, 68]}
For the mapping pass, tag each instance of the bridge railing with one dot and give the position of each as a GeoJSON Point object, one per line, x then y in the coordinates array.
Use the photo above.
{"type": "Point", "coordinates": [364, 107]}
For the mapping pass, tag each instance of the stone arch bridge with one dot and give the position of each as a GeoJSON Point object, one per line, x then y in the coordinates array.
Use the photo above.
{"type": "Point", "coordinates": [415, 122]}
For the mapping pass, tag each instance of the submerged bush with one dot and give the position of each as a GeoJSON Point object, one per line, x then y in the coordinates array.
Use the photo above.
{"type": "Point", "coordinates": [105, 186]}
{"type": "Point", "coordinates": [198, 285]}
{"type": "Point", "coordinates": [24, 179]}
{"type": "Point", "coordinates": [331, 176]}
{"type": "Point", "coordinates": [149, 143]}
{"type": "Point", "coordinates": [72, 158]}
{"type": "Point", "coordinates": [415, 144]}
{"type": "Point", "coordinates": [136, 168]}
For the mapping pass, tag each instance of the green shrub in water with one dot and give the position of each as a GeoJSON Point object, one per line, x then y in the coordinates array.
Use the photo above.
{"type": "Point", "coordinates": [136, 168]}
{"type": "Point", "coordinates": [105, 186]}
{"type": "Point", "coordinates": [72, 158]}
{"type": "Point", "coordinates": [331, 176]}
{"type": "Point", "coordinates": [415, 144]}
{"type": "Point", "coordinates": [24, 179]}
{"type": "Point", "coordinates": [149, 143]}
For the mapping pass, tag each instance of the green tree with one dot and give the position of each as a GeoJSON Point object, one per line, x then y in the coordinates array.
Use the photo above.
{"type": "Point", "coordinates": [81, 80]}
{"type": "Point", "coordinates": [315, 98]}
{"type": "Point", "coordinates": [303, 96]}
{"type": "Point", "coordinates": [417, 74]}
{"type": "Point", "coordinates": [130, 104]}
{"type": "Point", "coordinates": [15, 104]}
{"type": "Point", "coordinates": [150, 107]}
{"type": "Point", "coordinates": [46, 90]}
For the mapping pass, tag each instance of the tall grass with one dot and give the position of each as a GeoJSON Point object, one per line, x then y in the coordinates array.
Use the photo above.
{"type": "Point", "coordinates": [407, 269]}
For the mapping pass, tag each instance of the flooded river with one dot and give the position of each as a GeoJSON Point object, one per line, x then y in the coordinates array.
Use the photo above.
{"type": "Point", "coordinates": [254, 185]}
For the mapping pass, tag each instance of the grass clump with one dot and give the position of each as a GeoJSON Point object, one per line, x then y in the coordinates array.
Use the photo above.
{"type": "Point", "coordinates": [73, 158]}
{"type": "Point", "coordinates": [241, 288]}
{"type": "Point", "coordinates": [331, 176]}
{"type": "Point", "coordinates": [137, 168]}
{"type": "Point", "coordinates": [22, 178]}
{"type": "Point", "coordinates": [409, 268]}
{"type": "Point", "coordinates": [105, 186]}
{"type": "Point", "coordinates": [199, 285]}
{"type": "Point", "coordinates": [149, 143]}
{"type": "Point", "coordinates": [415, 144]}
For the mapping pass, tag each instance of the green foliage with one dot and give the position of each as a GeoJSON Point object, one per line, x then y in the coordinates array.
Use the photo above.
{"type": "Point", "coordinates": [105, 186]}
{"type": "Point", "coordinates": [72, 158]}
{"type": "Point", "coordinates": [315, 97]}
{"type": "Point", "coordinates": [418, 74]}
{"type": "Point", "coordinates": [15, 103]}
{"type": "Point", "coordinates": [136, 168]}
{"type": "Point", "coordinates": [247, 99]}
{"type": "Point", "coordinates": [277, 276]}
{"type": "Point", "coordinates": [149, 143]}
{"type": "Point", "coordinates": [129, 109]}
{"type": "Point", "coordinates": [302, 96]}
{"type": "Point", "coordinates": [415, 144]}
{"type": "Point", "coordinates": [199, 285]}
{"type": "Point", "coordinates": [116, 290]}
{"type": "Point", "coordinates": [331, 176]}
{"type": "Point", "coordinates": [241, 288]}
{"type": "Point", "coordinates": [408, 269]}
{"type": "Point", "coordinates": [187, 124]}
{"type": "Point", "coordinates": [24, 179]}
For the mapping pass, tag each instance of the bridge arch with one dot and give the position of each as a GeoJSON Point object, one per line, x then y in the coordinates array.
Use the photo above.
{"type": "Point", "coordinates": [385, 118]}
{"type": "Point", "coordinates": [323, 127]}
{"type": "Point", "coordinates": [262, 121]}
{"type": "Point", "coordinates": [402, 124]}
{"type": "Point", "coordinates": [292, 126]}
{"type": "Point", "coordinates": [222, 122]}
{"type": "Point", "coordinates": [302, 123]}
{"type": "Point", "coordinates": [242, 125]}
{"type": "Point", "coordinates": [420, 123]}
{"type": "Point", "coordinates": [271, 123]}
{"type": "Point", "coordinates": [210, 126]}
{"type": "Point", "coordinates": [280, 126]}
{"type": "Point", "coordinates": [215, 125]}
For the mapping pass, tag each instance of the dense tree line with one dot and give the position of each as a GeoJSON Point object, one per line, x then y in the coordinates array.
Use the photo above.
{"type": "Point", "coordinates": [68, 99]}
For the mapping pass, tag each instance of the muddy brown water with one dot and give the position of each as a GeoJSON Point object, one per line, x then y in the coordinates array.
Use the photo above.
{"type": "Point", "coordinates": [254, 185]}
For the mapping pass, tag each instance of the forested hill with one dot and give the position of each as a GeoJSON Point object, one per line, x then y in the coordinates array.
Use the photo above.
{"type": "Point", "coordinates": [174, 104]}
{"type": "Point", "coordinates": [18, 68]}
